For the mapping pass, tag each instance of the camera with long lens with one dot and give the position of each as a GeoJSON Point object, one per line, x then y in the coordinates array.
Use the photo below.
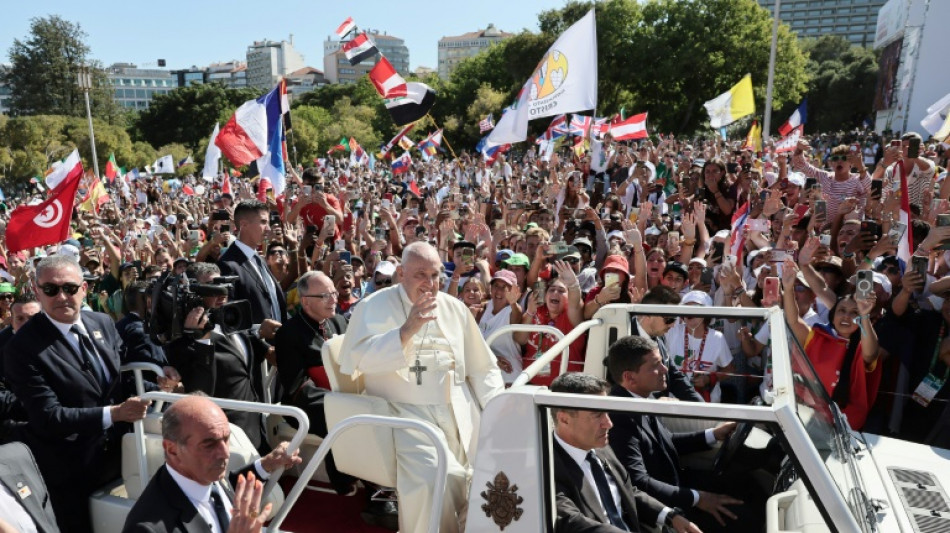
{"type": "Point", "coordinates": [173, 297]}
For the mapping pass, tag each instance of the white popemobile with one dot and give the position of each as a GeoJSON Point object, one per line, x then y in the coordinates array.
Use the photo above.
{"type": "Point", "coordinates": [831, 478]}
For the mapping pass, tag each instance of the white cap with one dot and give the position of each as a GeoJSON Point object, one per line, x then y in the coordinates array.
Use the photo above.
{"type": "Point", "coordinates": [699, 261]}
{"type": "Point", "coordinates": [385, 268]}
{"type": "Point", "coordinates": [69, 251]}
{"type": "Point", "coordinates": [796, 178]}
{"type": "Point", "coordinates": [618, 234]}
{"type": "Point", "coordinates": [697, 297]}
{"type": "Point", "coordinates": [171, 220]}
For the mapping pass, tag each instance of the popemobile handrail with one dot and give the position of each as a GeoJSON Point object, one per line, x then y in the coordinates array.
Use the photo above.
{"type": "Point", "coordinates": [562, 345]}
{"type": "Point", "coordinates": [374, 420]}
{"type": "Point", "coordinates": [532, 328]}
{"type": "Point", "coordinates": [303, 426]}
{"type": "Point", "coordinates": [138, 428]}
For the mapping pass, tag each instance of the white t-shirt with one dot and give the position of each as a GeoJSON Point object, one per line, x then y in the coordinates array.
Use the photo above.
{"type": "Point", "coordinates": [715, 353]}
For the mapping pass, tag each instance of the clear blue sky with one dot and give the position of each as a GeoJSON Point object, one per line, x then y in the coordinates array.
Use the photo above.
{"type": "Point", "coordinates": [199, 32]}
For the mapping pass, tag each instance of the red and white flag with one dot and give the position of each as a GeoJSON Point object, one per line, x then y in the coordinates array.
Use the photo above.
{"type": "Point", "coordinates": [345, 28]}
{"type": "Point", "coordinates": [48, 222]}
{"type": "Point", "coordinates": [634, 127]}
{"type": "Point", "coordinates": [790, 141]}
{"type": "Point", "coordinates": [359, 49]}
{"type": "Point", "coordinates": [905, 247]}
{"type": "Point", "coordinates": [226, 185]}
{"type": "Point", "coordinates": [388, 82]}
{"type": "Point", "coordinates": [60, 169]}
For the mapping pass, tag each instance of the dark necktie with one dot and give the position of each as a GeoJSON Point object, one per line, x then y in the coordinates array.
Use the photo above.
{"type": "Point", "coordinates": [88, 352]}
{"type": "Point", "coordinates": [220, 512]}
{"type": "Point", "coordinates": [269, 284]}
{"type": "Point", "coordinates": [603, 487]}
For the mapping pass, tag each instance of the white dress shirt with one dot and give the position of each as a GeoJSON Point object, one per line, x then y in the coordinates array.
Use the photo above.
{"type": "Point", "coordinates": [580, 457]}
{"type": "Point", "coordinates": [200, 495]}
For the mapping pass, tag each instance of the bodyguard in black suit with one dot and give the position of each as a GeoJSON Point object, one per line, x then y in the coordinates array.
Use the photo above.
{"type": "Point", "coordinates": [191, 492]}
{"type": "Point", "coordinates": [12, 414]}
{"type": "Point", "coordinates": [24, 487]}
{"type": "Point", "coordinates": [594, 493]}
{"type": "Point", "coordinates": [255, 282]}
{"type": "Point", "coordinates": [63, 365]}
{"type": "Point", "coordinates": [648, 451]}
{"type": "Point", "coordinates": [218, 364]}
{"type": "Point", "coordinates": [655, 327]}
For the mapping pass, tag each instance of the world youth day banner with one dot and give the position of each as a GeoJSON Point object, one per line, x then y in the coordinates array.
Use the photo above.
{"type": "Point", "coordinates": [565, 81]}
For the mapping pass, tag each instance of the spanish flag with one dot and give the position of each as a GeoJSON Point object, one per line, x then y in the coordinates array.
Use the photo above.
{"type": "Point", "coordinates": [731, 105]}
{"type": "Point", "coordinates": [95, 197]}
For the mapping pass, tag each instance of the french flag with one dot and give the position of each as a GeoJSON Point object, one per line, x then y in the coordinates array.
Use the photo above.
{"type": "Point", "coordinates": [401, 164]}
{"type": "Point", "coordinates": [244, 138]}
{"type": "Point", "coordinates": [271, 163]}
{"type": "Point", "coordinates": [737, 237]}
{"type": "Point", "coordinates": [798, 118]}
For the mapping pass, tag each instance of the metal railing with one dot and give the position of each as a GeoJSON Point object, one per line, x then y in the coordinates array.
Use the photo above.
{"type": "Point", "coordinates": [532, 328]}
{"type": "Point", "coordinates": [303, 426]}
{"type": "Point", "coordinates": [373, 420]}
{"type": "Point", "coordinates": [139, 427]}
{"type": "Point", "coordinates": [562, 345]}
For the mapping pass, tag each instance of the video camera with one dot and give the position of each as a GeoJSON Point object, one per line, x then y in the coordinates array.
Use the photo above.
{"type": "Point", "coordinates": [173, 297]}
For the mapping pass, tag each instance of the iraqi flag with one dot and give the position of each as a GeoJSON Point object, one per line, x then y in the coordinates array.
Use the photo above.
{"type": "Point", "coordinates": [344, 29]}
{"type": "Point", "coordinates": [388, 82]}
{"type": "Point", "coordinates": [634, 127]}
{"type": "Point", "coordinates": [402, 163]}
{"type": "Point", "coordinates": [737, 236]}
{"type": "Point", "coordinates": [47, 222]}
{"type": "Point", "coordinates": [798, 118]}
{"type": "Point", "coordinates": [415, 105]}
{"type": "Point", "coordinates": [359, 49]}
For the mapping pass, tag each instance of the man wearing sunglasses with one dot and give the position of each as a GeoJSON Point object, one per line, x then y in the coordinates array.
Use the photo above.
{"type": "Point", "coordinates": [840, 183]}
{"type": "Point", "coordinates": [655, 327]}
{"type": "Point", "coordinates": [63, 365]}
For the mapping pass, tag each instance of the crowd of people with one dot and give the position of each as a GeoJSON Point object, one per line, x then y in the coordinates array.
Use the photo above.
{"type": "Point", "coordinates": [458, 248]}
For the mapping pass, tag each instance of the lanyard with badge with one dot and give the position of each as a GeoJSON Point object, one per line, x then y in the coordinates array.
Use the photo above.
{"type": "Point", "coordinates": [931, 384]}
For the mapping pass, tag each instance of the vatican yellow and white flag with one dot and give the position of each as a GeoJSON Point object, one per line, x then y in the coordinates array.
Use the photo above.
{"type": "Point", "coordinates": [731, 105]}
{"type": "Point", "coordinates": [565, 81]}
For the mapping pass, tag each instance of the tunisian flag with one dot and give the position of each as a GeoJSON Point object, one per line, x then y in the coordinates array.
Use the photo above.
{"type": "Point", "coordinates": [46, 223]}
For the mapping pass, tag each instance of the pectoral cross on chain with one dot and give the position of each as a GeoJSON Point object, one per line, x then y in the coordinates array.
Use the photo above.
{"type": "Point", "coordinates": [418, 369]}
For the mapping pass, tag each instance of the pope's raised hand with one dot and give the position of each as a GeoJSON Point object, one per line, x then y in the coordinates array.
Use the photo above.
{"type": "Point", "coordinates": [422, 312]}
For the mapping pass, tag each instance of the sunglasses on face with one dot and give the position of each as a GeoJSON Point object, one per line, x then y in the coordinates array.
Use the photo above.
{"type": "Point", "coordinates": [669, 320]}
{"type": "Point", "coordinates": [383, 282]}
{"type": "Point", "coordinates": [838, 158]}
{"type": "Point", "coordinates": [51, 289]}
{"type": "Point", "coordinates": [7, 296]}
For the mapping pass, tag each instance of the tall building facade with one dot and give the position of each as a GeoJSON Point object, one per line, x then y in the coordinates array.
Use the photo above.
{"type": "Point", "coordinates": [454, 50]}
{"type": "Point", "coordinates": [135, 87]}
{"type": "Point", "coordinates": [855, 20]}
{"type": "Point", "coordinates": [337, 68]}
{"type": "Point", "coordinates": [229, 73]}
{"type": "Point", "coordinates": [267, 61]}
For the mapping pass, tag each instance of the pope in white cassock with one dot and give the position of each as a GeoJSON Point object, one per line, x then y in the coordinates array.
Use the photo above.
{"type": "Point", "coordinates": [421, 350]}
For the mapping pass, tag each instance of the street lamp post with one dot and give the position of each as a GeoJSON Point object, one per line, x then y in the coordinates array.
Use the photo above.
{"type": "Point", "coordinates": [85, 83]}
{"type": "Point", "coordinates": [767, 125]}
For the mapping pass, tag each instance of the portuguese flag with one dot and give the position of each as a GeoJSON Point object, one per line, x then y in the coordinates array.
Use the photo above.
{"type": "Point", "coordinates": [344, 144]}
{"type": "Point", "coordinates": [112, 169]}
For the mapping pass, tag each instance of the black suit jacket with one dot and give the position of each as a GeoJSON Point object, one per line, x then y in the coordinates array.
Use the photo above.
{"type": "Point", "coordinates": [298, 348]}
{"type": "Point", "coordinates": [219, 369]}
{"type": "Point", "coordinates": [250, 286]}
{"type": "Point", "coordinates": [676, 381]}
{"type": "Point", "coordinates": [578, 508]}
{"type": "Point", "coordinates": [63, 399]}
{"type": "Point", "coordinates": [652, 458]}
{"type": "Point", "coordinates": [18, 471]}
{"type": "Point", "coordinates": [164, 508]}
{"type": "Point", "coordinates": [136, 343]}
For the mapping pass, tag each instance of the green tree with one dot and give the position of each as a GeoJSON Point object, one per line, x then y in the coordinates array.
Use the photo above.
{"type": "Point", "coordinates": [43, 72]}
{"type": "Point", "coordinates": [842, 86]}
{"type": "Point", "coordinates": [187, 115]}
{"type": "Point", "coordinates": [487, 100]}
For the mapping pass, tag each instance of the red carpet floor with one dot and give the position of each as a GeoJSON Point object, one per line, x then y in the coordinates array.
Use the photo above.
{"type": "Point", "coordinates": [319, 512]}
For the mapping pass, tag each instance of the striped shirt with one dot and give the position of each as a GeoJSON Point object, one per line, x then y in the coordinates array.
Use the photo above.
{"type": "Point", "coordinates": [834, 192]}
{"type": "Point", "coordinates": [917, 180]}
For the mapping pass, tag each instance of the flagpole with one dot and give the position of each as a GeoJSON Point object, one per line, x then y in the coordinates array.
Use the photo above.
{"type": "Point", "coordinates": [444, 138]}
{"type": "Point", "coordinates": [767, 120]}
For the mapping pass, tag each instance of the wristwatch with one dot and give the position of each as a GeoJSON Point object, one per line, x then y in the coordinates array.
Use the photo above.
{"type": "Point", "coordinates": [672, 515]}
